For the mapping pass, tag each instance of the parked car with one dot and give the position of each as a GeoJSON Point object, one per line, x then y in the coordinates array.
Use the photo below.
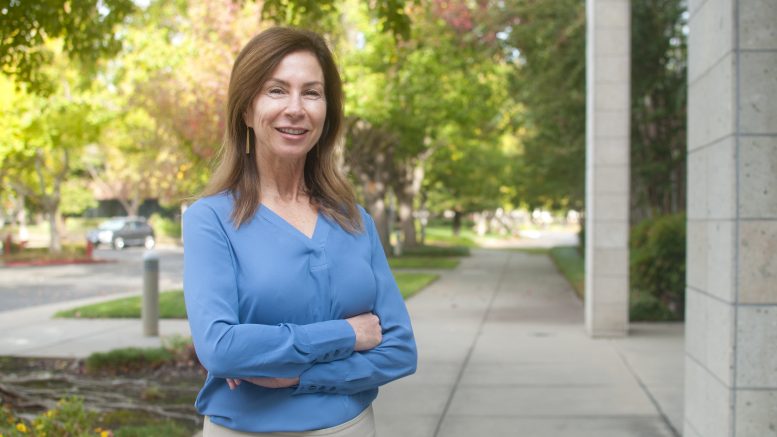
{"type": "Point", "coordinates": [121, 232]}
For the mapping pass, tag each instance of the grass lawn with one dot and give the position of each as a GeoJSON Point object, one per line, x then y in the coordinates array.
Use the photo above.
{"type": "Point", "coordinates": [443, 235]}
{"type": "Point", "coordinates": [171, 305]}
{"type": "Point", "coordinates": [436, 251]}
{"type": "Point", "coordinates": [411, 283]}
{"type": "Point", "coordinates": [571, 265]}
{"type": "Point", "coordinates": [423, 262]}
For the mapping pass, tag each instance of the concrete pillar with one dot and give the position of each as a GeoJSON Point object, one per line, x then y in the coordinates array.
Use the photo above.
{"type": "Point", "coordinates": [607, 167]}
{"type": "Point", "coordinates": [731, 294]}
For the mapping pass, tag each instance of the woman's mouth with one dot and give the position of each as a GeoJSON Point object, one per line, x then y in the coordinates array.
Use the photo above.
{"type": "Point", "coordinates": [291, 131]}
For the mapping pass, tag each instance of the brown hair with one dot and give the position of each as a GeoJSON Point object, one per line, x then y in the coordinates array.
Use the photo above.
{"type": "Point", "coordinates": [237, 171]}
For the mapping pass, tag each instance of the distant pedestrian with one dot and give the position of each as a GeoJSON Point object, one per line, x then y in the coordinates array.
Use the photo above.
{"type": "Point", "coordinates": [293, 309]}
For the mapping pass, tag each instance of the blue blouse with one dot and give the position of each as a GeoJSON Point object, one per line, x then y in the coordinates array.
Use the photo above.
{"type": "Point", "coordinates": [265, 300]}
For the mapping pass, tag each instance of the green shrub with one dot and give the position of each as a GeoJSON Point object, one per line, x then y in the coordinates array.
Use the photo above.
{"type": "Point", "coordinates": [165, 227]}
{"type": "Point", "coordinates": [657, 268]}
{"type": "Point", "coordinates": [68, 418]}
{"type": "Point", "coordinates": [127, 360]}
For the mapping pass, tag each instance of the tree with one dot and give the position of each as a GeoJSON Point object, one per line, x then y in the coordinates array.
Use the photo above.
{"type": "Point", "coordinates": [141, 155]}
{"type": "Point", "coordinates": [388, 16]}
{"type": "Point", "coordinates": [471, 174]}
{"type": "Point", "coordinates": [405, 94]}
{"type": "Point", "coordinates": [658, 108]}
{"type": "Point", "coordinates": [42, 139]}
{"type": "Point", "coordinates": [85, 27]}
{"type": "Point", "coordinates": [547, 41]}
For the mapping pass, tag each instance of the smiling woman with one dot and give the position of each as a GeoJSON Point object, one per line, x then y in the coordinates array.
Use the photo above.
{"type": "Point", "coordinates": [293, 309]}
{"type": "Point", "coordinates": [288, 114]}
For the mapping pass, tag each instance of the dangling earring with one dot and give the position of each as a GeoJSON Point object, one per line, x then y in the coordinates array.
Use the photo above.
{"type": "Point", "coordinates": [248, 140]}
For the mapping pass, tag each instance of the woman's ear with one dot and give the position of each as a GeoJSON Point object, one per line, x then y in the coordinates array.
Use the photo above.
{"type": "Point", "coordinates": [248, 117]}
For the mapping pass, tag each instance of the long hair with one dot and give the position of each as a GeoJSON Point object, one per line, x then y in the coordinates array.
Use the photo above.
{"type": "Point", "coordinates": [237, 172]}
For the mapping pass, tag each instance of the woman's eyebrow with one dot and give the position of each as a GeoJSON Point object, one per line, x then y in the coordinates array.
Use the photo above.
{"type": "Point", "coordinates": [284, 83]}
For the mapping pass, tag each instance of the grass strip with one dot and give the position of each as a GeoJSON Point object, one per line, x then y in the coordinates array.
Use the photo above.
{"type": "Point", "coordinates": [423, 262]}
{"type": "Point", "coordinates": [444, 236]}
{"type": "Point", "coordinates": [436, 251]}
{"type": "Point", "coordinates": [171, 303]}
{"type": "Point", "coordinates": [171, 306]}
{"type": "Point", "coordinates": [411, 283]}
{"type": "Point", "coordinates": [571, 264]}
{"type": "Point", "coordinates": [532, 250]}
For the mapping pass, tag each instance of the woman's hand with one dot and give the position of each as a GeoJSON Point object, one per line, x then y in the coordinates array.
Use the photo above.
{"type": "Point", "coordinates": [367, 329]}
{"type": "Point", "coordinates": [264, 382]}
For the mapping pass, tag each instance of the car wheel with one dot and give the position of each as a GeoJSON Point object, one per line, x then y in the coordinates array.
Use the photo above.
{"type": "Point", "coordinates": [149, 243]}
{"type": "Point", "coordinates": [119, 243]}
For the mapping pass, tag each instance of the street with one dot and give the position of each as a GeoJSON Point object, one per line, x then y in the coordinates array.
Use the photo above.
{"type": "Point", "coordinates": [22, 287]}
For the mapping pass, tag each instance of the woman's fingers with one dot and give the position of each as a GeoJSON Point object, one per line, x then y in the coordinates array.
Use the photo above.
{"type": "Point", "coordinates": [367, 329]}
{"type": "Point", "coordinates": [233, 383]}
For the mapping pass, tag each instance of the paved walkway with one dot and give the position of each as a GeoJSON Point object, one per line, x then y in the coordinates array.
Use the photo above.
{"type": "Point", "coordinates": [502, 352]}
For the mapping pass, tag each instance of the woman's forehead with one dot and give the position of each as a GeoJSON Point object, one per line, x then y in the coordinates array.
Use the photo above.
{"type": "Point", "coordinates": [300, 67]}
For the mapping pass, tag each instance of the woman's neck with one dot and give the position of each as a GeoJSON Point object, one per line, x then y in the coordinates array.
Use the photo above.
{"type": "Point", "coordinates": [282, 180]}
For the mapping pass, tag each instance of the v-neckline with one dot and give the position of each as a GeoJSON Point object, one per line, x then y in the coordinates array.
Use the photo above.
{"type": "Point", "coordinates": [281, 222]}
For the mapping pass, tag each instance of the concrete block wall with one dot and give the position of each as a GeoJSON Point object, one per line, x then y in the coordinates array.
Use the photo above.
{"type": "Point", "coordinates": [731, 308]}
{"type": "Point", "coordinates": [607, 167]}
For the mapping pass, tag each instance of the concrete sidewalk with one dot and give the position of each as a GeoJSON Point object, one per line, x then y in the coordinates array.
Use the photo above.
{"type": "Point", "coordinates": [33, 332]}
{"type": "Point", "coordinates": [502, 352]}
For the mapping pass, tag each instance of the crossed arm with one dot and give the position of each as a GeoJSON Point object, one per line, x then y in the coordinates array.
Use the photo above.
{"type": "Point", "coordinates": [336, 356]}
{"type": "Point", "coordinates": [365, 326]}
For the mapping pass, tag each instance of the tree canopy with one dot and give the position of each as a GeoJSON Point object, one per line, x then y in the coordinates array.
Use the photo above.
{"type": "Point", "coordinates": [450, 104]}
{"type": "Point", "coordinates": [85, 27]}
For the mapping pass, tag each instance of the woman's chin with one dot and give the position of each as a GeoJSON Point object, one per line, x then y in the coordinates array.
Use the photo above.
{"type": "Point", "coordinates": [289, 153]}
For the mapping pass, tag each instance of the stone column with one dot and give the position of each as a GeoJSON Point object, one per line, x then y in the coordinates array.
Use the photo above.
{"type": "Point", "coordinates": [731, 294]}
{"type": "Point", "coordinates": [607, 167]}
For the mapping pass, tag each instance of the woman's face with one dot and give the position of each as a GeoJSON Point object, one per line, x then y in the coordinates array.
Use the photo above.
{"type": "Point", "coordinates": [287, 116]}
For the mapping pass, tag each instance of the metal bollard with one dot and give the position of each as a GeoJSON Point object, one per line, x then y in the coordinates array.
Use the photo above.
{"type": "Point", "coordinates": [150, 304]}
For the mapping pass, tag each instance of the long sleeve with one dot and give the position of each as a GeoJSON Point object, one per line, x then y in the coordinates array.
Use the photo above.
{"type": "Point", "coordinates": [394, 358]}
{"type": "Point", "coordinates": [224, 345]}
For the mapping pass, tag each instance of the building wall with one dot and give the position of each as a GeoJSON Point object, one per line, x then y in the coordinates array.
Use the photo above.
{"type": "Point", "coordinates": [731, 310]}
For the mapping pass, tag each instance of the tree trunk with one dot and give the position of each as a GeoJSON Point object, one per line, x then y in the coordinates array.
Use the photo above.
{"type": "Point", "coordinates": [369, 157]}
{"type": "Point", "coordinates": [55, 239]}
{"type": "Point", "coordinates": [407, 181]}
{"type": "Point", "coordinates": [375, 197]}
{"type": "Point", "coordinates": [457, 222]}
{"type": "Point", "coordinates": [21, 218]}
{"type": "Point", "coordinates": [406, 219]}
{"type": "Point", "coordinates": [133, 206]}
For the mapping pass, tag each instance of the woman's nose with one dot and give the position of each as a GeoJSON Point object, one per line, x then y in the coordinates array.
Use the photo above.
{"type": "Point", "coordinates": [294, 107]}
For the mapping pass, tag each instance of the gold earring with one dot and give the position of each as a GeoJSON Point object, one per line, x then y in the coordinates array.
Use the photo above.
{"type": "Point", "coordinates": [248, 140]}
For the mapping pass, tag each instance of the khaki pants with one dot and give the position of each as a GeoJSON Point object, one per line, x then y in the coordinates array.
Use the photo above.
{"type": "Point", "coordinates": [362, 425]}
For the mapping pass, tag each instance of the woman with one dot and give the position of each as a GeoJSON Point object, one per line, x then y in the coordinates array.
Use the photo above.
{"type": "Point", "coordinates": [293, 309]}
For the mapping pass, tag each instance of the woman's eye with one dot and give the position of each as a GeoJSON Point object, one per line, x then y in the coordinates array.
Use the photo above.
{"type": "Point", "coordinates": [315, 94]}
{"type": "Point", "coordinates": [275, 91]}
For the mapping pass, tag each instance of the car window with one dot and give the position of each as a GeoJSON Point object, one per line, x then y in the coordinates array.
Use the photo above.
{"type": "Point", "coordinates": [112, 225]}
